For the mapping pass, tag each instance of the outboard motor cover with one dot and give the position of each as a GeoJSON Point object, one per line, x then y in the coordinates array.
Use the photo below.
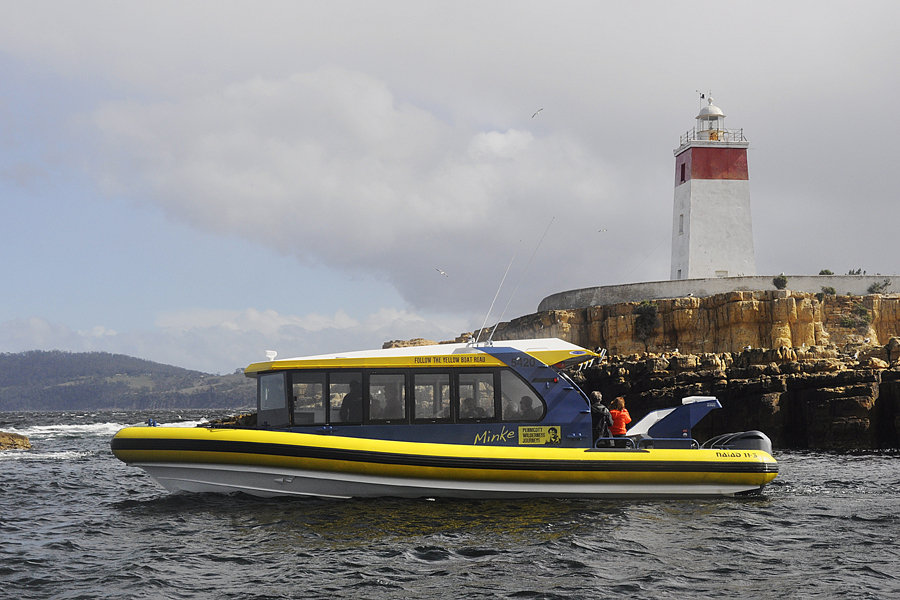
{"type": "Point", "coordinates": [743, 440]}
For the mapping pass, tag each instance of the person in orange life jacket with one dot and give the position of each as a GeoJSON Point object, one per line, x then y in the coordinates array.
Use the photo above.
{"type": "Point", "coordinates": [620, 416]}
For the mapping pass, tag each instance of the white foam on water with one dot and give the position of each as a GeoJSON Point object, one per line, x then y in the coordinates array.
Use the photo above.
{"type": "Point", "coordinates": [28, 455]}
{"type": "Point", "coordinates": [46, 432]}
{"type": "Point", "coordinates": [86, 430]}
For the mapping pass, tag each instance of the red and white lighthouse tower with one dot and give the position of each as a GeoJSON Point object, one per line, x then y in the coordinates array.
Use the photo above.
{"type": "Point", "coordinates": [712, 235]}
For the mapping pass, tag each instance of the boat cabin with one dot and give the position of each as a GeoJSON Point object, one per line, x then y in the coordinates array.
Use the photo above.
{"type": "Point", "coordinates": [512, 393]}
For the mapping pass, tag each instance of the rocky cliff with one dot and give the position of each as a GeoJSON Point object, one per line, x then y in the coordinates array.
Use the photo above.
{"type": "Point", "coordinates": [817, 397]}
{"type": "Point", "coordinates": [727, 322]}
{"type": "Point", "coordinates": [813, 371]}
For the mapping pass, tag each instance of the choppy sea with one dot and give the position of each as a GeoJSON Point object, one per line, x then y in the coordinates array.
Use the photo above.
{"type": "Point", "coordinates": [77, 523]}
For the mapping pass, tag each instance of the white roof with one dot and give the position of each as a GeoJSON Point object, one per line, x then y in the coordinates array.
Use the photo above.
{"type": "Point", "coordinates": [547, 350]}
{"type": "Point", "coordinates": [710, 111]}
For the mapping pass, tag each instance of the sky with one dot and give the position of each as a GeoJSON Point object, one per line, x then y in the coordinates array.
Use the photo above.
{"type": "Point", "coordinates": [196, 183]}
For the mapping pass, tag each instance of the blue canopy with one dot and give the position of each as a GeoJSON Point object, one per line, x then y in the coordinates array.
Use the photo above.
{"type": "Point", "coordinates": [675, 422]}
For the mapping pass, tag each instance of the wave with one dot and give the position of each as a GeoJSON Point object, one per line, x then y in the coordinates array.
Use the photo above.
{"type": "Point", "coordinates": [88, 430]}
{"type": "Point", "coordinates": [28, 455]}
{"type": "Point", "coordinates": [79, 430]}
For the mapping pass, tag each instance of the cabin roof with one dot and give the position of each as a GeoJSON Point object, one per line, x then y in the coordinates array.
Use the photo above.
{"type": "Point", "coordinates": [550, 351]}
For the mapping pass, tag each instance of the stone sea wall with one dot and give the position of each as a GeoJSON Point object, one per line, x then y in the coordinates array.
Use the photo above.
{"type": "Point", "coordinates": [858, 285]}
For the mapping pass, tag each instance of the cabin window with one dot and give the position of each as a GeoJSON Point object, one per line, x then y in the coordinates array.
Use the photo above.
{"type": "Point", "coordinates": [272, 401]}
{"type": "Point", "coordinates": [308, 391]}
{"type": "Point", "coordinates": [519, 402]}
{"type": "Point", "coordinates": [345, 397]}
{"type": "Point", "coordinates": [387, 397]}
{"type": "Point", "coordinates": [271, 391]}
{"type": "Point", "coordinates": [431, 396]}
{"type": "Point", "coordinates": [476, 396]}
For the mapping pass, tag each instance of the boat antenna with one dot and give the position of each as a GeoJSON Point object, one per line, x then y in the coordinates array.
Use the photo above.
{"type": "Point", "coordinates": [491, 337]}
{"type": "Point", "coordinates": [498, 292]}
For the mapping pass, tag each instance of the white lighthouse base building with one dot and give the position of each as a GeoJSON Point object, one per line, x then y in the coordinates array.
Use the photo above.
{"type": "Point", "coordinates": [713, 235]}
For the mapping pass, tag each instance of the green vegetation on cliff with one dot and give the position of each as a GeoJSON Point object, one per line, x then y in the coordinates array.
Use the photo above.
{"type": "Point", "coordinates": [55, 380]}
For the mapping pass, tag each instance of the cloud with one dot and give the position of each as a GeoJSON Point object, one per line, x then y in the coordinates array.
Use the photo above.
{"type": "Point", "coordinates": [22, 174]}
{"type": "Point", "coordinates": [33, 332]}
{"type": "Point", "coordinates": [387, 140]}
{"type": "Point", "coordinates": [220, 341]}
{"type": "Point", "coordinates": [268, 321]}
{"type": "Point", "coordinates": [329, 167]}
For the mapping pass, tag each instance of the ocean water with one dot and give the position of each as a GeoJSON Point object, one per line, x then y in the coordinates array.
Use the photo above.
{"type": "Point", "coordinates": [77, 523]}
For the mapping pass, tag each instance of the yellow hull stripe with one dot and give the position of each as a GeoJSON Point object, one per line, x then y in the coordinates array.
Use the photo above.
{"type": "Point", "coordinates": [285, 450]}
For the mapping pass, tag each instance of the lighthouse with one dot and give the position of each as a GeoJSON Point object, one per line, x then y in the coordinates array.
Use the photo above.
{"type": "Point", "coordinates": [712, 234]}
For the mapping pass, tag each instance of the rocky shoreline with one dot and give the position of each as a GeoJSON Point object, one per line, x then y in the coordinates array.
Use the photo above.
{"type": "Point", "coordinates": [812, 371]}
{"type": "Point", "coordinates": [815, 398]}
{"type": "Point", "coordinates": [720, 323]}
{"type": "Point", "coordinates": [824, 397]}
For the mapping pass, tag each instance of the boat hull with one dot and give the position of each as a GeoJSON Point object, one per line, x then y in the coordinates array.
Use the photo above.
{"type": "Point", "coordinates": [279, 463]}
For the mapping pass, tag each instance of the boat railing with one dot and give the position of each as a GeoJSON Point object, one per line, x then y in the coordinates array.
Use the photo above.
{"type": "Point", "coordinates": [614, 442]}
{"type": "Point", "coordinates": [669, 443]}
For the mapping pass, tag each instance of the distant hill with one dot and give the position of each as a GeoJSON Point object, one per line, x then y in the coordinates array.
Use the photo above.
{"type": "Point", "coordinates": [55, 380]}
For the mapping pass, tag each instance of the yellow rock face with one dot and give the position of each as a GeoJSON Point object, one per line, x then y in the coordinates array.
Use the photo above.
{"type": "Point", "coordinates": [14, 441]}
{"type": "Point", "coordinates": [722, 323]}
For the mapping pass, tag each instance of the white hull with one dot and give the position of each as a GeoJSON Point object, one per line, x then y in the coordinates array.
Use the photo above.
{"type": "Point", "coordinates": [268, 482]}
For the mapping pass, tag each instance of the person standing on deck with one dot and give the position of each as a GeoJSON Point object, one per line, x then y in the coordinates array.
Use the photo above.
{"type": "Point", "coordinates": [600, 417]}
{"type": "Point", "coordinates": [620, 417]}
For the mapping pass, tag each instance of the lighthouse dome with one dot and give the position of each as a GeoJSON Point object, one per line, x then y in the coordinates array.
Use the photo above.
{"type": "Point", "coordinates": [710, 111]}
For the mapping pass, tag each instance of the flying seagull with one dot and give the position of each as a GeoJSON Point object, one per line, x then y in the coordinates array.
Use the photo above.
{"type": "Point", "coordinates": [536, 113]}
{"type": "Point", "coordinates": [442, 273]}
{"type": "Point", "coordinates": [601, 231]}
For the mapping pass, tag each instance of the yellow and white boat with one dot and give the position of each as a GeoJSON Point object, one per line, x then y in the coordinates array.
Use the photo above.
{"type": "Point", "coordinates": [496, 420]}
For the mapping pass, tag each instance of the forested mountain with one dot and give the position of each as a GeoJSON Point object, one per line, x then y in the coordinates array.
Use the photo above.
{"type": "Point", "coordinates": [55, 380]}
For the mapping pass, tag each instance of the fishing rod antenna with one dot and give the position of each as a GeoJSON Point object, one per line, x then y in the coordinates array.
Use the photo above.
{"type": "Point", "coordinates": [498, 293]}
{"type": "Point", "coordinates": [491, 337]}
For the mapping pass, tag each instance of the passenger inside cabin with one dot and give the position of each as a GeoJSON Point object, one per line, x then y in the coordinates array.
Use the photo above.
{"type": "Point", "coordinates": [470, 410]}
{"type": "Point", "coordinates": [393, 406]}
{"type": "Point", "coordinates": [351, 405]}
{"type": "Point", "coordinates": [527, 409]}
{"type": "Point", "coordinates": [376, 406]}
{"type": "Point", "coordinates": [511, 411]}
